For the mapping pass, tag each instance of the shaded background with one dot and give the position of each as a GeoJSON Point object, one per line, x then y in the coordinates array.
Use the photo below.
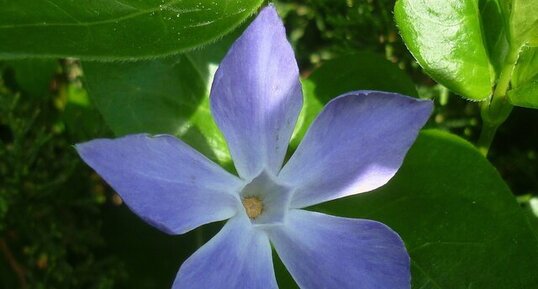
{"type": "Point", "coordinates": [62, 227]}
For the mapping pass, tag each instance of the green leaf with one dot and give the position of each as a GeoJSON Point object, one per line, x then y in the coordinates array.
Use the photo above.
{"type": "Point", "coordinates": [527, 66]}
{"type": "Point", "coordinates": [525, 95]}
{"type": "Point", "coordinates": [445, 37]}
{"type": "Point", "coordinates": [460, 222]}
{"type": "Point", "coordinates": [168, 96]}
{"type": "Point", "coordinates": [114, 30]}
{"type": "Point", "coordinates": [524, 22]}
{"type": "Point", "coordinates": [495, 32]}
{"type": "Point", "coordinates": [312, 106]}
{"type": "Point", "coordinates": [524, 90]}
{"type": "Point", "coordinates": [361, 71]}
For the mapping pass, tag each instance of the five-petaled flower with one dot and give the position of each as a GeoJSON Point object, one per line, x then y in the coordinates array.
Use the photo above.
{"type": "Point", "coordinates": [356, 144]}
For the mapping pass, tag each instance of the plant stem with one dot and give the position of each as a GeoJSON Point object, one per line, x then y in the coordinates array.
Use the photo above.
{"type": "Point", "coordinates": [487, 133]}
{"type": "Point", "coordinates": [15, 266]}
{"type": "Point", "coordinates": [495, 111]}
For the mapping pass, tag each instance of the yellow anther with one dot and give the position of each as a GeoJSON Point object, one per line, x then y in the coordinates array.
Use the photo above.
{"type": "Point", "coordinates": [253, 206]}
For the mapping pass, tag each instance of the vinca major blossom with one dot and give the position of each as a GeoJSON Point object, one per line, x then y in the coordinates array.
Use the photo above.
{"type": "Point", "coordinates": [356, 144]}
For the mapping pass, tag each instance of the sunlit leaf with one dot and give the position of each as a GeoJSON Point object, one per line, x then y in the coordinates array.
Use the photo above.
{"type": "Point", "coordinates": [527, 66]}
{"type": "Point", "coordinates": [445, 36]}
{"type": "Point", "coordinates": [525, 95]}
{"type": "Point", "coordinates": [524, 22]}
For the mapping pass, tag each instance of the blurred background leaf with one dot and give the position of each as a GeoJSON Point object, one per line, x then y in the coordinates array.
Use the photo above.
{"type": "Point", "coordinates": [34, 76]}
{"type": "Point", "coordinates": [363, 70]}
{"type": "Point", "coordinates": [114, 30]}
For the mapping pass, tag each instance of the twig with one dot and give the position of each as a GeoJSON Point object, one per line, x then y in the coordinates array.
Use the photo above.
{"type": "Point", "coordinates": [15, 266]}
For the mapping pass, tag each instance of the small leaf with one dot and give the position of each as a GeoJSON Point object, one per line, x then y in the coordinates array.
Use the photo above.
{"type": "Point", "coordinates": [114, 30]}
{"type": "Point", "coordinates": [460, 222]}
{"type": "Point", "coordinates": [524, 22]}
{"type": "Point", "coordinates": [446, 39]}
{"type": "Point", "coordinates": [527, 66]}
{"type": "Point", "coordinates": [525, 95]}
{"type": "Point", "coordinates": [361, 71]}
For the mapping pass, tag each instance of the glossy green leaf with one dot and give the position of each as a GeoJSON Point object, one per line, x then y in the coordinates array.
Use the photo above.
{"type": "Point", "coordinates": [361, 71]}
{"type": "Point", "coordinates": [525, 95]}
{"type": "Point", "coordinates": [161, 96]}
{"type": "Point", "coordinates": [460, 222]}
{"type": "Point", "coordinates": [445, 36]}
{"type": "Point", "coordinates": [114, 30]}
{"type": "Point", "coordinates": [524, 22]}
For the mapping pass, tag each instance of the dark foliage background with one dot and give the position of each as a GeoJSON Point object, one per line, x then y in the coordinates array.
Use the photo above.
{"type": "Point", "coordinates": [62, 227]}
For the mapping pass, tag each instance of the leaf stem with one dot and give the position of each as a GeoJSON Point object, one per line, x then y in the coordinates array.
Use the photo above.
{"type": "Point", "coordinates": [497, 109]}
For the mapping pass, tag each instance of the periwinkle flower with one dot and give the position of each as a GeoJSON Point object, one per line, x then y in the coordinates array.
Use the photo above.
{"type": "Point", "coordinates": [356, 144]}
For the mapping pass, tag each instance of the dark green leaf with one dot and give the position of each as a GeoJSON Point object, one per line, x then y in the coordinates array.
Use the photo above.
{"type": "Point", "coordinates": [81, 118]}
{"type": "Point", "coordinates": [152, 258]}
{"type": "Point", "coordinates": [525, 95]}
{"type": "Point", "coordinates": [159, 96]}
{"type": "Point", "coordinates": [460, 222]}
{"type": "Point", "coordinates": [34, 75]}
{"type": "Point", "coordinates": [445, 36]}
{"type": "Point", "coordinates": [114, 30]}
{"type": "Point", "coordinates": [361, 71]}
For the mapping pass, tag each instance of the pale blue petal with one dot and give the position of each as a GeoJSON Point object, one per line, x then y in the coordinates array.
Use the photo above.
{"type": "Point", "coordinates": [323, 251]}
{"type": "Point", "coordinates": [238, 257]}
{"type": "Point", "coordinates": [164, 181]}
{"type": "Point", "coordinates": [256, 96]}
{"type": "Point", "coordinates": [355, 145]}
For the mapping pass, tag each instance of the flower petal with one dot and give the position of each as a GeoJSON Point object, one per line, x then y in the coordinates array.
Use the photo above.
{"type": "Point", "coordinates": [256, 96]}
{"type": "Point", "coordinates": [164, 181]}
{"type": "Point", "coordinates": [323, 251]}
{"type": "Point", "coordinates": [356, 144]}
{"type": "Point", "coordinates": [239, 256]}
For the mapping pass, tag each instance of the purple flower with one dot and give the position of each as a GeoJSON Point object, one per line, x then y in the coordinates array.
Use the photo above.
{"type": "Point", "coordinates": [356, 144]}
